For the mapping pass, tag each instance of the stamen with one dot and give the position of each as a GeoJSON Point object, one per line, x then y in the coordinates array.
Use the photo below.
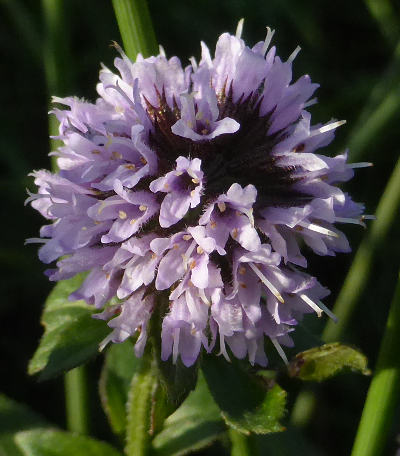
{"type": "Point", "coordinates": [187, 237]}
{"type": "Point", "coordinates": [293, 55]}
{"type": "Point", "coordinates": [161, 50]}
{"type": "Point", "coordinates": [221, 206]}
{"type": "Point", "coordinates": [360, 165]}
{"type": "Point", "coordinates": [279, 350]}
{"type": "Point", "coordinates": [142, 208]}
{"type": "Point", "coordinates": [267, 283]}
{"type": "Point", "coordinates": [312, 304]}
{"type": "Point", "coordinates": [267, 41]}
{"type": "Point", "coordinates": [355, 221]}
{"type": "Point", "coordinates": [239, 28]}
{"type": "Point", "coordinates": [311, 102]}
{"type": "Point", "coordinates": [318, 229]}
{"type": "Point", "coordinates": [186, 255]}
{"type": "Point", "coordinates": [122, 215]}
{"type": "Point", "coordinates": [326, 128]}
{"type": "Point", "coordinates": [203, 297]}
{"type": "Point", "coordinates": [192, 60]}
{"type": "Point", "coordinates": [328, 312]}
{"type": "Point", "coordinates": [105, 342]}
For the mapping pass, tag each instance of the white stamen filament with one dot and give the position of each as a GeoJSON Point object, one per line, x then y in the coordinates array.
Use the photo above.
{"type": "Point", "coordinates": [203, 297]}
{"type": "Point", "coordinates": [311, 102]}
{"type": "Point", "coordinates": [318, 229]}
{"type": "Point", "coordinates": [161, 50]}
{"type": "Point", "coordinates": [355, 221]}
{"type": "Point", "coordinates": [105, 342]}
{"type": "Point", "coordinates": [122, 93]}
{"type": "Point", "coordinates": [326, 128]}
{"type": "Point", "coordinates": [267, 41]}
{"type": "Point", "coordinates": [192, 60]}
{"type": "Point", "coordinates": [239, 28]}
{"type": "Point", "coordinates": [266, 282]}
{"type": "Point", "coordinates": [328, 312]}
{"type": "Point", "coordinates": [360, 165]}
{"type": "Point", "coordinates": [279, 350]}
{"type": "Point", "coordinates": [293, 55]}
{"type": "Point", "coordinates": [312, 304]}
{"type": "Point", "coordinates": [186, 255]}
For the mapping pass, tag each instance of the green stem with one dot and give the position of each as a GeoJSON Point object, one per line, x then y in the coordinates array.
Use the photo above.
{"type": "Point", "coordinates": [241, 445]}
{"type": "Point", "coordinates": [58, 70]}
{"type": "Point", "coordinates": [136, 28]}
{"type": "Point", "coordinates": [76, 400]}
{"type": "Point", "coordinates": [359, 272]}
{"type": "Point", "coordinates": [140, 407]}
{"type": "Point", "coordinates": [384, 391]}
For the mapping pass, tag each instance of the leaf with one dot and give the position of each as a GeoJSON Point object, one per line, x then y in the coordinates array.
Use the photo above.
{"type": "Point", "coordinates": [324, 362]}
{"type": "Point", "coordinates": [195, 425]}
{"type": "Point", "coordinates": [45, 442]}
{"type": "Point", "coordinates": [15, 417]}
{"type": "Point", "coordinates": [119, 368]}
{"type": "Point", "coordinates": [247, 403]}
{"type": "Point", "coordinates": [71, 335]}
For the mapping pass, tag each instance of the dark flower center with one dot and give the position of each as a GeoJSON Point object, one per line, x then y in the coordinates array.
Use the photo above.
{"type": "Point", "coordinates": [243, 157]}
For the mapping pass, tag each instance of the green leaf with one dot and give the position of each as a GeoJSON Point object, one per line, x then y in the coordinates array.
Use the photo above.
{"type": "Point", "coordinates": [248, 403]}
{"type": "Point", "coordinates": [71, 335]}
{"type": "Point", "coordinates": [116, 376]}
{"type": "Point", "coordinates": [15, 417]}
{"type": "Point", "coordinates": [45, 442]}
{"type": "Point", "coordinates": [195, 425]}
{"type": "Point", "coordinates": [323, 362]}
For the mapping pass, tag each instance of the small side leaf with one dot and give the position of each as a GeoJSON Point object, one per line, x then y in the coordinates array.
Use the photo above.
{"type": "Point", "coordinates": [57, 443]}
{"type": "Point", "coordinates": [71, 335]}
{"type": "Point", "coordinates": [247, 403]}
{"type": "Point", "coordinates": [15, 417]}
{"type": "Point", "coordinates": [324, 362]}
{"type": "Point", "coordinates": [116, 376]}
{"type": "Point", "coordinates": [195, 425]}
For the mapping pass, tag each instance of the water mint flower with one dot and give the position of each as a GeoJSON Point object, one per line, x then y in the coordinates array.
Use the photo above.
{"type": "Point", "coordinates": [198, 186]}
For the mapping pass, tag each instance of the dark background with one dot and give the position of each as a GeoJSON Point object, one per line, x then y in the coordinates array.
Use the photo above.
{"type": "Point", "coordinates": [343, 49]}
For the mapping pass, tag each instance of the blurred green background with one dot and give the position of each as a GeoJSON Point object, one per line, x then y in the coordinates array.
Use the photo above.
{"type": "Point", "coordinates": [350, 48]}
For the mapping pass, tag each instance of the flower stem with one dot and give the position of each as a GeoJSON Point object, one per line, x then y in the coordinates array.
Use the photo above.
{"type": "Point", "coordinates": [241, 445]}
{"type": "Point", "coordinates": [384, 391]}
{"type": "Point", "coordinates": [357, 278]}
{"type": "Point", "coordinates": [136, 28]}
{"type": "Point", "coordinates": [76, 400]}
{"type": "Point", "coordinates": [139, 407]}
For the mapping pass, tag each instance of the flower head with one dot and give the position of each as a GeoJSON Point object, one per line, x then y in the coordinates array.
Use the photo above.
{"type": "Point", "coordinates": [199, 184]}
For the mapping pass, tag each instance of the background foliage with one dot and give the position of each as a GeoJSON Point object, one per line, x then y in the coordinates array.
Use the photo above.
{"type": "Point", "coordinates": [347, 47]}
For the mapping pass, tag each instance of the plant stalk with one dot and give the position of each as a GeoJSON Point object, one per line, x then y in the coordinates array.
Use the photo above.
{"type": "Point", "coordinates": [136, 28]}
{"type": "Point", "coordinates": [384, 391]}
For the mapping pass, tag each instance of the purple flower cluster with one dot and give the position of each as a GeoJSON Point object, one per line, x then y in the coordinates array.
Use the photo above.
{"type": "Point", "coordinates": [196, 186]}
